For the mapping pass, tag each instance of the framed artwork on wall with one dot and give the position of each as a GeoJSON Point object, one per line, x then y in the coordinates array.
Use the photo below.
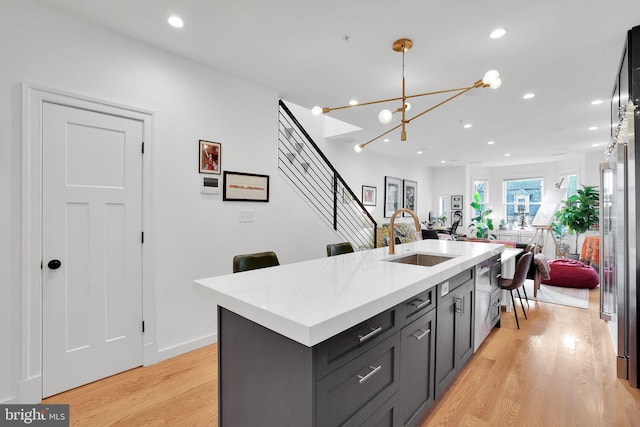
{"type": "Point", "coordinates": [409, 195]}
{"type": "Point", "coordinates": [456, 203]}
{"type": "Point", "coordinates": [209, 157]}
{"type": "Point", "coordinates": [245, 187]}
{"type": "Point", "coordinates": [369, 195]}
{"type": "Point", "coordinates": [392, 195]}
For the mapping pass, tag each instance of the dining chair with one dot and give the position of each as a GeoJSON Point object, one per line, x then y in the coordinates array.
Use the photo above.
{"type": "Point", "coordinates": [520, 275]}
{"type": "Point", "coordinates": [254, 261]}
{"type": "Point", "coordinates": [339, 248]}
{"type": "Point", "coordinates": [429, 234]}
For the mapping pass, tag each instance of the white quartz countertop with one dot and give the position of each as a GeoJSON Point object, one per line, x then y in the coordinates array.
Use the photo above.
{"type": "Point", "coordinates": [311, 301]}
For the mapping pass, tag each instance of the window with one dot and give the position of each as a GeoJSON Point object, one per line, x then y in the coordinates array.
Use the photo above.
{"type": "Point", "coordinates": [522, 199]}
{"type": "Point", "coordinates": [481, 187]}
{"type": "Point", "coordinates": [570, 182]}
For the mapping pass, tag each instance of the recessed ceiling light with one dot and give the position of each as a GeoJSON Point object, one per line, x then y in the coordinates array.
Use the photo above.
{"type": "Point", "coordinates": [497, 33]}
{"type": "Point", "coordinates": [595, 145]}
{"type": "Point", "coordinates": [175, 21]}
{"type": "Point", "coordinates": [507, 154]}
{"type": "Point", "coordinates": [443, 161]}
{"type": "Point", "coordinates": [528, 95]}
{"type": "Point", "coordinates": [593, 128]}
{"type": "Point", "coordinates": [596, 102]}
{"type": "Point", "coordinates": [353, 102]}
{"type": "Point", "coordinates": [419, 152]}
{"type": "Point", "coordinates": [386, 140]}
{"type": "Point", "coordinates": [467, 126]}
{"type": "Point", "coordinates": [491, 142]}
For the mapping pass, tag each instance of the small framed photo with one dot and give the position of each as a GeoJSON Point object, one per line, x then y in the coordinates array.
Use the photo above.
{"type": "Point", "coordinates": [456, 203]}
{"type": "Point", "coordinates": [392, 195]}
{"type": "Point", "coordinates": [210, 157]}
{"type": "Point", "coordinates": [245, 187]}
{"type": "Point", "coordinates": [410, 195]}
{"type": "Point", "coordinates": [369, 195]}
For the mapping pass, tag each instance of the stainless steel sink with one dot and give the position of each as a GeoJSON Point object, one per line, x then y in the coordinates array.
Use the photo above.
{"type": "Point", "coordinates": [425, 260]}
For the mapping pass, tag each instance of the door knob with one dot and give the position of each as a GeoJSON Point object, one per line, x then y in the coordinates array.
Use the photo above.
{"type": "Point", "coordinates": [54, 264]}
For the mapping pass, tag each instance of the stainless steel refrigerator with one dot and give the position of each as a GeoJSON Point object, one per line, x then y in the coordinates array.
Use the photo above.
{"type": "Point", "coordinates": [619, 209]}
{"type": "Point", "coordinates": [618, 255]}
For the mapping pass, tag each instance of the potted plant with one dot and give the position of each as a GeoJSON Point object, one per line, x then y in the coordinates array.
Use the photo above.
{"type": "Point", "coordinates": [580, 211]}
{"type": "Point", "coordinates": [481, 224]}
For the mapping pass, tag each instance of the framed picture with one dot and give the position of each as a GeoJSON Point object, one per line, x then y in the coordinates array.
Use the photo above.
{"type": "Point", "coordinates": [209, 157]}
{"type": "Point", "coordinates": [409, 195]}
{"type": "Point", "coordinates": [245, 187]}
{"type": "Point", "coordinates": [369, 195]}
{"type": "Point", "coordinates": [456, 203]}
{"type": "Point", "coordinates": [392, 195]}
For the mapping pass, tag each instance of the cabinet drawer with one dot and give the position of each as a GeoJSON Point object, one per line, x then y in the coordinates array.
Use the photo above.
{"type": "Point", "coordinates": [338, 350]}
{"type": "Point", "coordinates": [356, 390]}
{"type": "Point", "coordinates": [420, 304]}
{"type": "Point", "coordinates": [456, 281]}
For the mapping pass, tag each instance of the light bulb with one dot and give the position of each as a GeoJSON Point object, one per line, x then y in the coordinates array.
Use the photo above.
{"type": "Point", "coordinates": [490, 76]}
{"type": "Point", "coordinates": [316, 111]}
{"type": "Point", "coordinates": [496, 83]}
{"type": "Point", "coordinates": [175, 21]}
{"type": "Point", "coordinates": [357, 148]}
{"type": "Point", "coordinates": [497, 33]}
{"type": "Point", "coordinates": [407, 106]}
{"type": "Point", "coordinates": [385, 116]}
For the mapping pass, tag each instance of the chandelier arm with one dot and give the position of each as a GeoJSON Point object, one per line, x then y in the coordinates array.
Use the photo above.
{"type": "Point", "coordinates": [465, 90]}
{"type": "Point", "coordinates": [362, 104]}
{"type": "Point", "coordinates": [439, 92]}
{"type": "Point", "coordinates": [364, 144]}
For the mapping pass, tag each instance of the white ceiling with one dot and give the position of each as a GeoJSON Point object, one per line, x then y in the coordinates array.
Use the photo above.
{"type": "Point", "coordinates": [565, 51]}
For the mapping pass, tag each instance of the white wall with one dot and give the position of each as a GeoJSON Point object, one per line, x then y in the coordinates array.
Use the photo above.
{"type": "Point", "coordinates": [191, 235]}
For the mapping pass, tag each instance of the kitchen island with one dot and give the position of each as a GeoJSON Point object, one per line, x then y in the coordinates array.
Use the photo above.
{"type": "Point", "coordinates": [350, 339]}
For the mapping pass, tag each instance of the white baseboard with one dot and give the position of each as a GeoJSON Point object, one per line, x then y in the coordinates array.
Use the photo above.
{"type": "Point", "coordinates": [152, 357]}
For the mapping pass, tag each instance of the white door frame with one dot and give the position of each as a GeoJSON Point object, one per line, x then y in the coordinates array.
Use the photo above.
{"type": "Point", "coordinates": [30, 385]}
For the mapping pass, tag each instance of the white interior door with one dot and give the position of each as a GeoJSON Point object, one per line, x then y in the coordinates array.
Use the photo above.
{"type": "Point", "coordinates": [91, 244]}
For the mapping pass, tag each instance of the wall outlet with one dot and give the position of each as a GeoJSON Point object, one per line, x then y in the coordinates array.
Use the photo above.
{"type": "Point", "coordinates": [444, 289]}
{"type": "Point", "coordinates": [246, 215]}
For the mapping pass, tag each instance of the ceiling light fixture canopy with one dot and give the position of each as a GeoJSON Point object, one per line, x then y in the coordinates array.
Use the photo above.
{"type": "Point", "coordinates": [491, 79]}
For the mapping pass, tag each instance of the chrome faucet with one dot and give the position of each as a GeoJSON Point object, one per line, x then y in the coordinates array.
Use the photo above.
{"type": "Point", "coordinates": [392, 237]}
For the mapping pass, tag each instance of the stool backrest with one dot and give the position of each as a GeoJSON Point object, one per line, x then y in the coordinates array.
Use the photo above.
{"type": "Point", "coordinates": [339, 248]}
{"type": "Point", "coordinates": [254, 261]}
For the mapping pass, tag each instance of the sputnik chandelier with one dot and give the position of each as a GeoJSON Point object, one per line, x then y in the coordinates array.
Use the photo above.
{"type": "Point", "coordinates": [490, 79]}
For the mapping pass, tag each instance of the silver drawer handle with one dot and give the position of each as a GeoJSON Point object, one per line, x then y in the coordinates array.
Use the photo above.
{"type": "Point", "coordinates": [422, 335]}
{"type": "Point", "coordinates": [418, 303]}
{"type": "Point", "coordinates": [498, 276]}
{"type": "Point", "coordinates": [363, 378]}
{"type": "Point", "coordinates": [374, 332]}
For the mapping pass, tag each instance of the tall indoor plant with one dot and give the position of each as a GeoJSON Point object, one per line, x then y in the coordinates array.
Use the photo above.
{"type": "Point", "coordinates": [481, 224]}
{"type": "Point", "coordinates": [580, 211]}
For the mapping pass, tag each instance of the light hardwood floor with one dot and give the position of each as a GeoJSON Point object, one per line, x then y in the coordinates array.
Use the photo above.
{"type": "Point", "coordinates": [557, 370]}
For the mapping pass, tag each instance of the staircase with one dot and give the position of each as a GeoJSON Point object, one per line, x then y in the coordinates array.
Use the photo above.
{"type": "Point", "coordinates": [309, 172]}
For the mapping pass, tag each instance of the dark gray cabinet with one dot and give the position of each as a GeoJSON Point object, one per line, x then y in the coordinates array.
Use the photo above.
{"type": "Point", "coordinates": [417, 357]}
{"type": "Point", "coordinates": [454, 331]}
{"type": "Point", "coordinates": [385, 371]}
{"type": "Point", "coordinates": [352, 393]}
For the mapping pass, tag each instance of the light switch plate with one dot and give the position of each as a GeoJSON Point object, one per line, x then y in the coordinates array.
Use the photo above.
{"type": "Point", "coordinates": [246, 215]}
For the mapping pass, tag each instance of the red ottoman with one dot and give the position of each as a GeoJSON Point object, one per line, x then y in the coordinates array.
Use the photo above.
{"type": "Point", "coordinates": [572, 274]}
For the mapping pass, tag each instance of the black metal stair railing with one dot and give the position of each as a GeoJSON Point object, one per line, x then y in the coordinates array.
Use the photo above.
{"type": "Point", "coordinates": [303, 165]}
